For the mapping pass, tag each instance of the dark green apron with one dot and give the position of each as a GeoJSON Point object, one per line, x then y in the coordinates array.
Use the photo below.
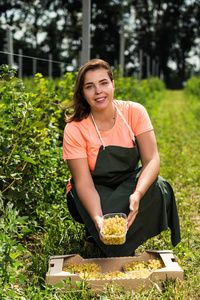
{"type": "Point", "coordinates": [115, 177]}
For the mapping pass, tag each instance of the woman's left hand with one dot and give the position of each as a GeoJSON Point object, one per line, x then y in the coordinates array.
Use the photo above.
{"type": "Point", "coordinates": [98, 223]}
{"type": "Point", "coordinates": [134, 207]}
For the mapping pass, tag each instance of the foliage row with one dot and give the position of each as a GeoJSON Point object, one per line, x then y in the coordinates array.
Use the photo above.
{"type": "Point", "coordinates": [193, 86]}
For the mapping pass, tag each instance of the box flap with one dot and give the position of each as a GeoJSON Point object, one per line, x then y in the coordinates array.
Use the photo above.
{"type": "Point", "coordinates": [65, 256]}
{"type": "Point", "coordinates": [160, 251]}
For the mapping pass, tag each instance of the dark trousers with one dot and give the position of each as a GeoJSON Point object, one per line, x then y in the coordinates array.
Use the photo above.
{"type": "Point", "coordinates": [72, 208]}
{"type": "Point", "coordinates": [75, 214]}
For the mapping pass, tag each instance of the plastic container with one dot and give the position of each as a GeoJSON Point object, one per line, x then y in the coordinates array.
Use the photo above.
{"type": "Point", "coordinates": [114, 229]}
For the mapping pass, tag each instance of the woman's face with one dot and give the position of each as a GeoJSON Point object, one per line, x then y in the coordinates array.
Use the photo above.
{"type": "Point", "coordinates": [98, 89]}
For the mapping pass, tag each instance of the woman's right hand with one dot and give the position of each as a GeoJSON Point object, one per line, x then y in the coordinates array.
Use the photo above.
{"type": "Point", "coordinates": [134, 200]}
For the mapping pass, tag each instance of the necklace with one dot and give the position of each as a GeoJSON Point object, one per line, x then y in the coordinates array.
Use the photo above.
{"type": "Point", "coordinates": [114, 117]}
{"type": "Point", "coordinates": [123, 118]}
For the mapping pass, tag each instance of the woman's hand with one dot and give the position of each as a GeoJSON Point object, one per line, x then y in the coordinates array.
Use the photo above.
{"type": "Point", "coordinates": [98, 223]}
{"type": "Point", "coordinates": [134, 200]}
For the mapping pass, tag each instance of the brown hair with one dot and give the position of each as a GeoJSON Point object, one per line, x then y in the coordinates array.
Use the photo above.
{"type": "Point", "coordinates": [81, 107]}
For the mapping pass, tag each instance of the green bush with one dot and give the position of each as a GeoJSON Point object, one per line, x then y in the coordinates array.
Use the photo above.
{"type": "Point", "coordinates": [33, 179]}
{"type": "Point", "coordinates": [193, 86]}
{"type": "Point", "coordinates": [32, 170]}
{"type": "Point", "coordinates": [12, 226]}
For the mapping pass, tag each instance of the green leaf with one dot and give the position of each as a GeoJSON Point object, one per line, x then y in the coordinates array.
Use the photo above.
{"type": "Point", "coordinates": [28, 159]}
{"type": "Point", "coordinates": [26, 230]}
{"type": "Point", "coordinates": [21, 220]}
{"type": "Point", "coordinates": [14, 255]}
{"type": "Point", "coordinates": [59, 285]}
{"type": "Point", "coordinates": [20, 248]}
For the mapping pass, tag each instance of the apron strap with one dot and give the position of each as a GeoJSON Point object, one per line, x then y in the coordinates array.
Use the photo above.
{"type": "Point", "coordinates": [97, 129]}
{"type": "Point", "coordinates": [122, 116]}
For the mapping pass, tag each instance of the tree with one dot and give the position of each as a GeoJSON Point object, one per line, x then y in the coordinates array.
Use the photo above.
{"type": "Point", "coordinates": [105, 29]}
{"type": "Point", "coordinates": [185, 39]}
{"type": "Point", "coordinates": [44, 27]}
{"type": "Point", "coordinates": [165, 30]}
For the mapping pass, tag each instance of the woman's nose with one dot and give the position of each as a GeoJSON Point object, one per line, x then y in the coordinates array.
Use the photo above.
{"type": "Point", "coordinates": [98, 89]}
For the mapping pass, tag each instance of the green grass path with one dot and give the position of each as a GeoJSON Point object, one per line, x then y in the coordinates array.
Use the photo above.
{"type": "Point", "coordinates": [177, 122]}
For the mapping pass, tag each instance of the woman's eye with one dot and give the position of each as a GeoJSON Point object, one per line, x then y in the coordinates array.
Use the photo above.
{"type": "Point", "coordinates": [88, 87]}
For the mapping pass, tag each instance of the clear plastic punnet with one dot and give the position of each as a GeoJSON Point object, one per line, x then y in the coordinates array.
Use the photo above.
{"type": "Point", "coordinates": [114, 229]}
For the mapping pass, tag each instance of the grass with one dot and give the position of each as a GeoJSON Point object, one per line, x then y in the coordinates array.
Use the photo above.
{"type": "Point", "coordinates": [176, 125]}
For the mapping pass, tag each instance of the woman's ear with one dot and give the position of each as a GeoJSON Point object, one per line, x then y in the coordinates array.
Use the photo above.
{"type": "Point", "coordinates": [113, 84]}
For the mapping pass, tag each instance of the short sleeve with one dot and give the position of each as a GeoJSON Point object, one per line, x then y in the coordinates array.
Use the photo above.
{"type": "Point", "coordinates": [74, 144]}
{"type": "Point", "coordinates": [140, 119]}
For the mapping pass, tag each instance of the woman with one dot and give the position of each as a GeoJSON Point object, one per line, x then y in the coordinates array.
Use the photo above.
{"type": "Point", "coordinates": [103, 143]}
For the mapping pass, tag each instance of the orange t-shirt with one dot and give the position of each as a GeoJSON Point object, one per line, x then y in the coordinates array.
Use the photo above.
{"type": "Point", "coordinates": [81, 139]}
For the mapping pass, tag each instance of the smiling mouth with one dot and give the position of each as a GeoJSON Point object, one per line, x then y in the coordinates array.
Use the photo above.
{"type": "Point", "coordinates": [100, 99]}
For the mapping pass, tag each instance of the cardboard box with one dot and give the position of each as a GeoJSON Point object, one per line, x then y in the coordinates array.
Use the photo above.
{"type": "Point", "coordinates": [171, 269]}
